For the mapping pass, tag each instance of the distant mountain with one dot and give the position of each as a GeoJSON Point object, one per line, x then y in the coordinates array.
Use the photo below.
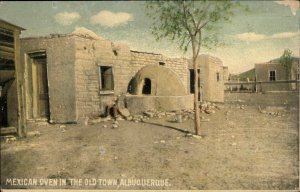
{"type": "Point", "coordinates": [243, 76]}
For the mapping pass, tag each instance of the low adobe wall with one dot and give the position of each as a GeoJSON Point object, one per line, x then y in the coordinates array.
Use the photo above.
{"type": "Point", "coordinates": [137, 103]}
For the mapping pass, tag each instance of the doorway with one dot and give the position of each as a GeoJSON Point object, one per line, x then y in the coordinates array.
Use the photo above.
{"type": "Point", "coordinates": [147, 87]}
{"type": "Point", "coordinates": [40, 95]}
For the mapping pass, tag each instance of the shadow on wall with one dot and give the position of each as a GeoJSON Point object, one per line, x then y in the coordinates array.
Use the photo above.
{"type": "Point", "coordinates": [156, 81]}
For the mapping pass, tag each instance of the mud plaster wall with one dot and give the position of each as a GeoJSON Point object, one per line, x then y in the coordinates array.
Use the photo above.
{"type": "Point", "coordinates": [212, 89]}
{"type": "Point", "coordinates": [164, 82]}
{"type": "Point", "coordinates": [262, 74]}
{"type": "Point", "coordinates": [61, 75]}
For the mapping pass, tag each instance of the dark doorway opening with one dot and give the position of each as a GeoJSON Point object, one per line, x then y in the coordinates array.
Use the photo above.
{"type": "Point", "coordinates": [4, 87]}
{"type": "Point", "coordinates": [192, 80]}
{"type": "Point", "coordinates": [147, 87]}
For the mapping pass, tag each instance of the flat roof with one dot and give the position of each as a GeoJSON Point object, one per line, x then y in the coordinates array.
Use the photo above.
{"type": "Point", "coordinates": [8, 23]}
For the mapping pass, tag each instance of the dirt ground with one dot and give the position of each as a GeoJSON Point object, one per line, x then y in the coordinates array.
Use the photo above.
{"type": "Point", "coordinates": [243, 148]}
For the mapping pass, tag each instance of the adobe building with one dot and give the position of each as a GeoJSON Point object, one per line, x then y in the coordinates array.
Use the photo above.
{"type": "Point", "coordinates": [11, 85]}
{"type": "Point", "coordinates": [273, 72]}
{"type": "Point", "coordinates": [73, 76]}
{"type": "Point", "coordinates": [211, 78]}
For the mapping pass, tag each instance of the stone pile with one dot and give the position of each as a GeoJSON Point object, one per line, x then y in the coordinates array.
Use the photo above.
{"type": "Point", "coordinates": [209, 108]}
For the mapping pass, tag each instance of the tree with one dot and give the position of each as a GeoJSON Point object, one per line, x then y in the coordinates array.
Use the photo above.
{"type": "Point", "coordinates": [286, 60]}
{"type": "Point", "coordinates": [192, 24]}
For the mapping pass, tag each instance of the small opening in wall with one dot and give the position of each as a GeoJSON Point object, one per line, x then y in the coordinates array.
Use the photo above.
{"type": "Point", "coordinates": [115, 52]}
{"type": "Point", "coordinates": [272, 75]}
{"type": "Point", "coordinates": [161, 63]}
{"type": "Point", "coordinates": [106, 78]}
{"type": "Point", "coordinates": [218, 76]}
{"type": "Point", "coordinates": [147, 87]}
{"type": "Point", "coordinates": [84, 47]}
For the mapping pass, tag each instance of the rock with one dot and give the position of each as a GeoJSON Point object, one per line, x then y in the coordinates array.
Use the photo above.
{"type": "Point", "coordinates": [149, 114]}
{"type": "Point", "coordinates": [136, 121]}
{"type": "Point", "coordinates": [116, 122]}
{"type": "Point", "coordinates": [188, 135]}
{"type": "Point", "coordinates": [162, 141]}
{"type": "Point", "coordinates": [177, 137]}
{"type": "Point", "coordinates": [207, 111]}
{"type": "Point", "coordinates": [124, 112]}
{"type": "Point", "coordinates": [205, 120]}
{"type": "Point", "coordinates": [33, 133]}
{"type": "Point", "coordinates": [170, 113]}
{"type": "Point", "coordinates": [197, 136]}
{"type": "Point", "coordinates": [95, 121]}
{"type": "Point", "coordinates": [62, 126]}
{"type": "Point", "coordinates": [86, 121]}
{"type": "Point", "coordinates": [104, 126]}
{"type": "Point", "coordinates": [115, 126]}
{"type": "Point", "coordinates": [129, 118]}
{"type": "Point", "coordinates": [10, 138]}
{"type": "Point", "coordinates": [120, 119]}
{"type": "Point", "coordinates": [116, 158]}
{"type": "Point", "coordinates": [234, 144]}
{"type": "Point", "coordinates": [178, 118]}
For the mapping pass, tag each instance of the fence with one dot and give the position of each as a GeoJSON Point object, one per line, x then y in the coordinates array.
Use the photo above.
{"type": "Point", "coordinates": [262, 86]}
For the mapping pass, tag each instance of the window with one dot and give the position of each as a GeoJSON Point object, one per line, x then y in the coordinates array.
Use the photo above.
{"type": "Point", "coordinates": [218, 76]}
{"type": "Point", "coordinates": [161, 63]}
{"type": "Point", "coordinates": [106, 78]}
{"type": "Point", "coordinates": [147, 87]}
{"type": "Point", "coordinates": [272, 75]}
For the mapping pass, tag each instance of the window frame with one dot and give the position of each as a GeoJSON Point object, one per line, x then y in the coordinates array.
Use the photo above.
{"type": "Point", "coordinates": [269, 75]}
{"type": "Point", "coordinates": [106, 91]}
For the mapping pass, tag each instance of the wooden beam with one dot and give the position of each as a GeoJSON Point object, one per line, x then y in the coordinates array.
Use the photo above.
{"type": "Point", "coordinates": [7, 49]}
{"type": "Point", "coordinates": [8, 130]}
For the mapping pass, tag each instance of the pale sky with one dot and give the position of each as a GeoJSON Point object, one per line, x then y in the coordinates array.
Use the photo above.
{"type": "Point", "coordinates": [254, 37]}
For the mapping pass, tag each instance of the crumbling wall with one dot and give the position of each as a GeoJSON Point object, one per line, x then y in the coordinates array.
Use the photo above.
{"type": "Point", "coordinates": [60, 72]}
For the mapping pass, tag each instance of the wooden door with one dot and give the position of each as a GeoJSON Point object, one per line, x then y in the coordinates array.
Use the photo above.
{"type": "Point", "coordinates": [40, 89]}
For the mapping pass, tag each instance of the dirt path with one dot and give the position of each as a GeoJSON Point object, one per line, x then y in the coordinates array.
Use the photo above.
{"type": "Point", "coordinates": [242, 149]}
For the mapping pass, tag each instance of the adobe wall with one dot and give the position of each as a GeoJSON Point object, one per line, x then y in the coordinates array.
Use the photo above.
{"type": "Point", "coordinates": [61, 75]}
{"type": "Point", "coordinates": [262, 74]}
{"type": "Point", "coordinates": [73, 73]}
{"type": "Point", "coordinates": [90, 54]}
{"type": "Point", "coordinates": [138, 104]}
{"type": "Point", "coordinates": [212, 89]}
